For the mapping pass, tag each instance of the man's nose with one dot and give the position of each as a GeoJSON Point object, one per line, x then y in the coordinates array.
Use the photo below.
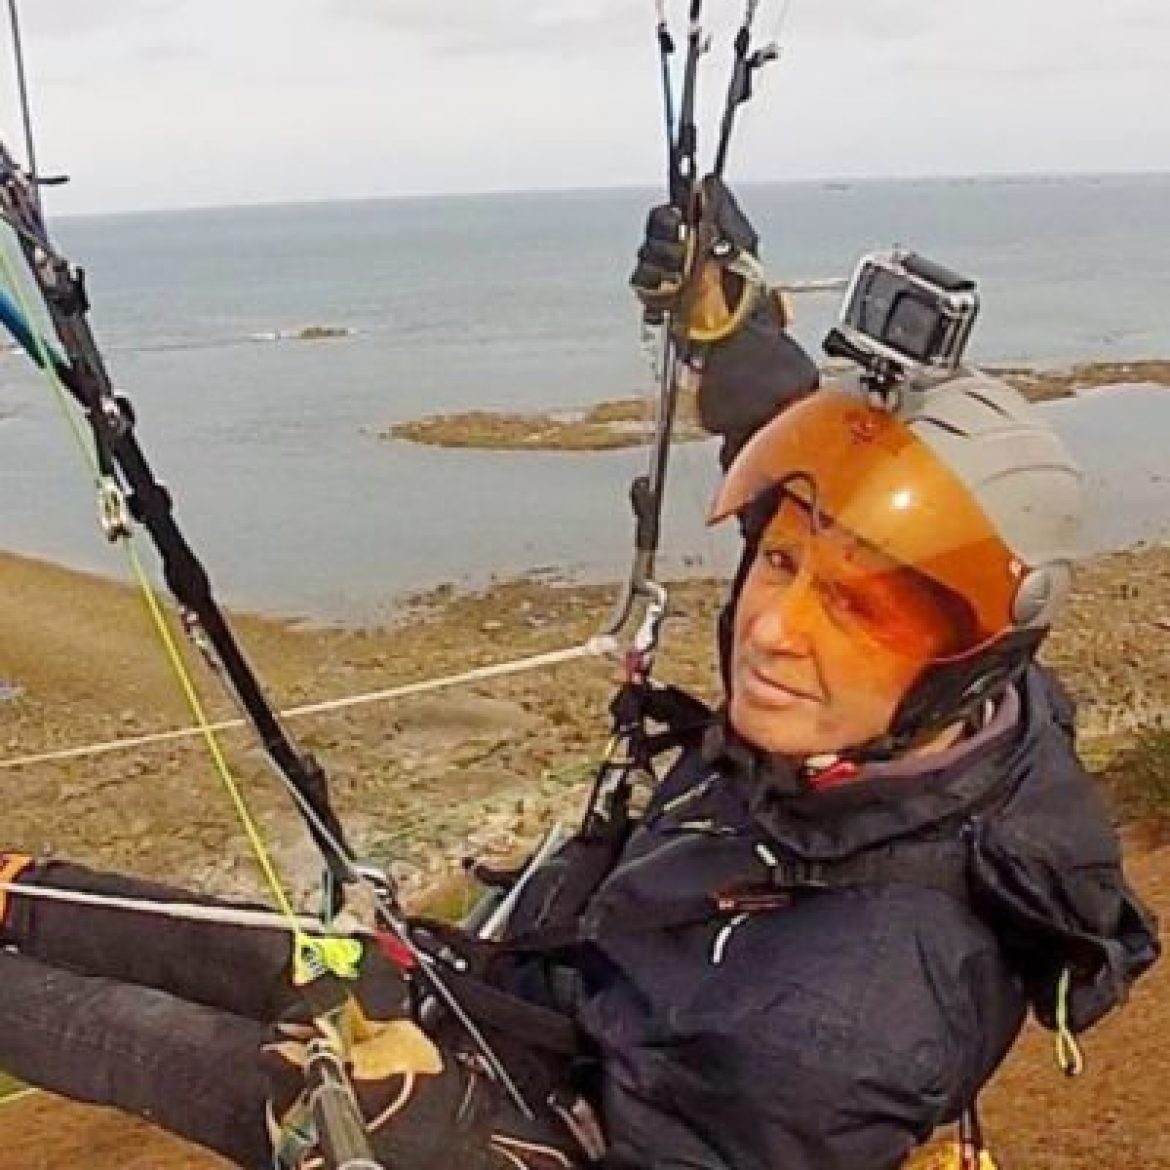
{"type": "Point", "coordinates": [786, 624]}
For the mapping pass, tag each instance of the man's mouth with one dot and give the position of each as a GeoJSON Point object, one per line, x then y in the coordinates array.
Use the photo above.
{"type": "Point", "coordinates": [771, 692]}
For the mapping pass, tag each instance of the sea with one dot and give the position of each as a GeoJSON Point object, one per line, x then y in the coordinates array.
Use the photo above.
{"type": "Point", "coordinates": [273, 446]}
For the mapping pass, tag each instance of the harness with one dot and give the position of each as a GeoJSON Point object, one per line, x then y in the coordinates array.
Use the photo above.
{"type": "Point", "coordinates": [552, 927]}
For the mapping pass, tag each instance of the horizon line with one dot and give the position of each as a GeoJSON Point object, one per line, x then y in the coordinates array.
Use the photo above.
{"type": "Point", "coordinates": [836, 180]}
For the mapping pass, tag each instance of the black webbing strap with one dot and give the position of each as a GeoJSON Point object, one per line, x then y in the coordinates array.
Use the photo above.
{"type": "Point", "coordinates": [684, 717]}
{"type": "Point", "coordinates": [938, 864]}
{"type": "Point", "coordinates": [468, 977]}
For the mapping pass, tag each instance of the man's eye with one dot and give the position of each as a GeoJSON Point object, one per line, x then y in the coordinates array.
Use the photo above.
{"type": "Point", "coordinates": [853, 603]}
{"type": "Point", "coordinates": [782, 560]}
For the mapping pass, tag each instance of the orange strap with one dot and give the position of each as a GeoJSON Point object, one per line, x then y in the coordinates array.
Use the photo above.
{"type": "Point", "coordinates": [12, 865]}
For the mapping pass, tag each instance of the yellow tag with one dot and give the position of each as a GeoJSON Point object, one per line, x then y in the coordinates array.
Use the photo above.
{"type": "Point", "coordinates": [314, 956]}
{"type": "Point", "coordinates": [342, 956]}
{"type": "Point", "coordinates": [392, 1049]}
{"type": "Point", "coordinates": [948, 1156]}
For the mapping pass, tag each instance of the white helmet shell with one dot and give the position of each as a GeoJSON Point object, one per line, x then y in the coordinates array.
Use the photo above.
{"type": "Point", "coordinates": [1018, 470]}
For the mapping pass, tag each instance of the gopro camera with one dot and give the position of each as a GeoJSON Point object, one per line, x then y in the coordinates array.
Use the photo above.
{"type": "Point", "coordinates": [903, 313]}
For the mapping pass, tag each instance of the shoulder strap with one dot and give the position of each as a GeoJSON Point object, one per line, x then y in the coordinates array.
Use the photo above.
{"type": "Point", "coordinates": [939, 865]}
{"type": "Point", "coordinates": [468, 965]}
{"type": "Point", "coordinates": [685, 717]}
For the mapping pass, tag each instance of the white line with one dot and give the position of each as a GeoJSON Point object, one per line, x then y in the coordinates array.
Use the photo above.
{"type": "Point", "coordinates": [344, 925]}
{"type": "Point", "coordinates": [595, 647]}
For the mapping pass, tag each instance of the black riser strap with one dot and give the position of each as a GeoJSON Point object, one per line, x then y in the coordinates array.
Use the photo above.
{"type": "Point", "coordinates": [188, 581]}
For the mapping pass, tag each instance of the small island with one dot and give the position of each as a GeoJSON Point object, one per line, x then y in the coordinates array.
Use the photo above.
{"type": "Point", "coordinates": [607, 426]}
{"type": "Point", "coordinates": [629, 422]}
{"type": "Point", "coordinates": [321, 332]}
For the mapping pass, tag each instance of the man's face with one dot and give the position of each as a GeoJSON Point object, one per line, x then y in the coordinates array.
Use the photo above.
{"type": "Point", "coordinates": [824, 647]}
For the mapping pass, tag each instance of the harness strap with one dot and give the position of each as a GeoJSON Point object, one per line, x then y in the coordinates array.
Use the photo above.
{"type": "Point", "coordinates": [939, 865]}
{"type": "Point", "coordinates": [685, 718]}
{"type": "Point", "coordinates": [468, 961]}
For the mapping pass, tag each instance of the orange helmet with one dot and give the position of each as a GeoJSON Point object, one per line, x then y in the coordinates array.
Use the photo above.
{"type": "Point", "coordinates": [946, 527]}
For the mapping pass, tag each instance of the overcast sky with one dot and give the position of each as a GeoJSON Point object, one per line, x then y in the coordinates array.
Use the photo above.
{"type": "Point", "coordinates": [163, 103]}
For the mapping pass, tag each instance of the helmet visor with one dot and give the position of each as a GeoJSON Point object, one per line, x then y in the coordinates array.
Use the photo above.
{"type": "Point", "coordinates": [895, 541]}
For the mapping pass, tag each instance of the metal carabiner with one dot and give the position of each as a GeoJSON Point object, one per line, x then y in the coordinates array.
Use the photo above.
{"type": "Point", "coordinates": [113, 511]}
{"type": "Point", "coordinates": [645, 642]}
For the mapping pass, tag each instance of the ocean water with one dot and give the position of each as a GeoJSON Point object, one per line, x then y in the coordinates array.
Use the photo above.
{"type": "Point", "coordinates": [518, 302]}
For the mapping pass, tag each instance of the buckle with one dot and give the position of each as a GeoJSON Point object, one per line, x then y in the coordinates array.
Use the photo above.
{"type": "Point", "coordinates": [796, 873]}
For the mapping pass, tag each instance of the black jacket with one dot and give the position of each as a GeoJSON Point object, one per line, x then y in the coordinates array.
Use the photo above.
{"type": "Point", "coordinates": [838, 1030]}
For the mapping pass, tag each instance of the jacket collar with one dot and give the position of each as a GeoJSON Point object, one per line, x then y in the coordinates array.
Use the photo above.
{"type": "Point", "coordinates": [888, 800]}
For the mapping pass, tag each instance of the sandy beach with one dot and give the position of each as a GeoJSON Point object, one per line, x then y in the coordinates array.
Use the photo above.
{"type": "Point", "coordinates": [424, 781]}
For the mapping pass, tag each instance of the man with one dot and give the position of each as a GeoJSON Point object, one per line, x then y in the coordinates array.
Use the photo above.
{"type": "Point", "coordinates": [821, 937]}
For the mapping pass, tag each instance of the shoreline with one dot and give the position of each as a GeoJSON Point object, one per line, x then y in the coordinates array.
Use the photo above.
{"type": "Point", "coordinates": [372, 557]}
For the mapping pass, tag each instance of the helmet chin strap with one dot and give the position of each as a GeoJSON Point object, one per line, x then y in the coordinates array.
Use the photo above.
{"type": "Point", "coordinates": [793, 775]}
{"type": "Point", "coordinates": [830, 769]}
{"type": "Point", "coordinates": [951, 692]}
{"type": "Point", "coordinates": [946, 694]}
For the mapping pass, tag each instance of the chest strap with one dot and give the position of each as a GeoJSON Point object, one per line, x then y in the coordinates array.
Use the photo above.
{"type": "Point", "coordinates": [939, 865]}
